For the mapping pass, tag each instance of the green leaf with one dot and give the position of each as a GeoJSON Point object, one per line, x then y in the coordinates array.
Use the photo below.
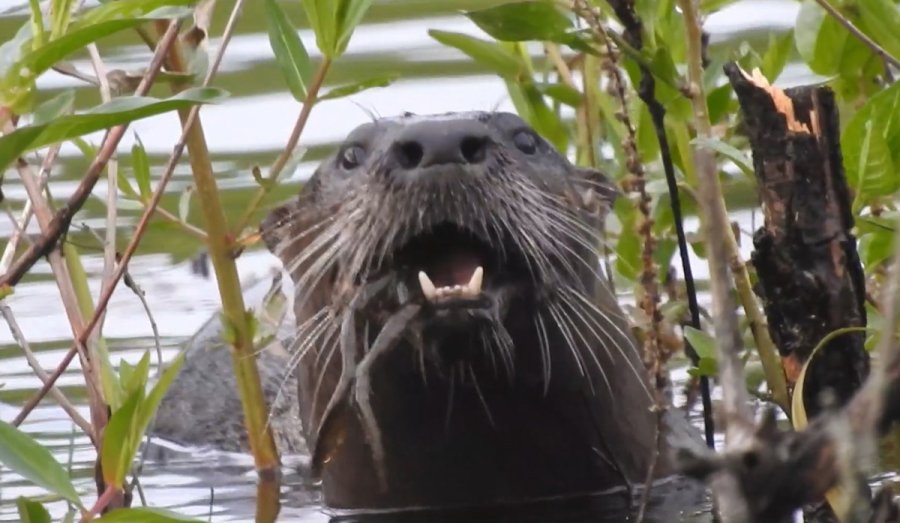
{"type": "Point", "coordinates": [562, 93]}
{"type": "Point", "coordinates": [134, 378]}
{"type": "Point", "coordinates": [334, 21]}
{"type": "Point", "coordinates": [489, 54]}
{"type": "Point", "coordinates": [532, 107]}
{"type": "Point", "coordinates": [31, 511]}
{"type": "Point", "coordinates": [119, 111]}
{"type": "Point", "coordinates": [776, 55]}
{"type": "Point", "coordinates": [705, 347]}
{"type": "Point", "coordinates": [351, 13]}
{"type": "Point", "coordinates": [880, 19]}
{"type": "Point", "coordinates": [704, 344]}
{"type": "Point", "coordinates": [117, 454]}
{"type": "Point", "coordinates": [290, 55]}
{"type": "Point", "coordinates": [55, 107]}
{"type": "Point", "coordinates": [728, 151]}
{"type": "Point", "coordinates": [825, 45]}
{"type": "Point", "coordinates": [133, 9]}
{"type": "Point", "coordinates": [17, 81]}
{"type": "Point", "coordinates": [355, 87]}
{"type": "Point", "coordinates": [29, 459]}
{"type": "Point", "coordinates": [141, 165]}
{"type": "Point", "coordinates": [151, 403]}
{"type": "Point", "coordinates": [145, 515]}
{"type": "Point", "coordinates": [871, 146]}
{"type": "Point", "coordinates": [523, 21]}
{"type": "Point", "coordinates": [61, 13]}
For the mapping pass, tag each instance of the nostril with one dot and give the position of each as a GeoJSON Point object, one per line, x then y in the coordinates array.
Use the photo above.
{"type": "Point", "coordinates": [473, 148]}
{"type": "Point", "coordinates": [409, 154]}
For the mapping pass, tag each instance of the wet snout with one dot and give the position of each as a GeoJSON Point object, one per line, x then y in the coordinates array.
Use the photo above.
{"type": "Point", "coordinates": [440, 142]}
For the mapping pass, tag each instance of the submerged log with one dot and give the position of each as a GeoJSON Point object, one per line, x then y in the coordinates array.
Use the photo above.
{"type": "Point", "coordinates": [810, 276]}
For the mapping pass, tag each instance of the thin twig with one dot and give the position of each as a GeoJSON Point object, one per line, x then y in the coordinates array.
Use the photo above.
{"type": "Point", "coordinates": [39, 371]}
{"type": "Point", "coordinates": [862, 37]}
{"type": "Point", "coordinates": [63, 217]}
{"type": "Point", "coordinates": [289, 149]}
{"type": "Point", "coordinates": [647, 93]}
{"type": "Point", "coordinates": [112, 188]}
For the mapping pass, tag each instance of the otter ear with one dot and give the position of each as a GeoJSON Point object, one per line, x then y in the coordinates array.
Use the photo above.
{"type": "Point", "coordinates": [596, 192]}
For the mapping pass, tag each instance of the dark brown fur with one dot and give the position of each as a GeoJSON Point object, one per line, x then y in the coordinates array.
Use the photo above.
{"type": "Point", "coordinates": [536, 392]}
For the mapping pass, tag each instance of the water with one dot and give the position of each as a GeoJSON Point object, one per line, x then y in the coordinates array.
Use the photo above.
{"type": "Point", "coordinates": [247, 129]}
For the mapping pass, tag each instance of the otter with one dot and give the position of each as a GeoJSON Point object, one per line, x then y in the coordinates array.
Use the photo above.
{"type": "Point", "coordinates": [456, 343]}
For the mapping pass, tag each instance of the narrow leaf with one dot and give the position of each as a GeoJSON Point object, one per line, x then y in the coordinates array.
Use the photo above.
{"type": "Point", "coordinates": [28, 458]}
{"type": "Point", "coordinates": [55, 107]}
{"type": "Point", "coordinates": [349, 14]}
{"type": "Point", "coordinates": [350, 89]}
{"type": "Point", "coordinates": [726, 150]}
{"type": "Point", "coordinates": [122, 9]}
{"type": "Point", "coordinates": [488, 54]}
{"type": "Point", "coordinates": [523, 21]}
{"type": "Point", "coordinates": [32, 511]}
{"type": "Point", "coordinates": [291, 56]}
{"type": "Point", "coordinates": [184, 204]}
{"type": "Point", "coordinates": [141, 165]}
{"type": "Point", "coordinates": [119, 111]}
{"type": "Point", "coordinates": [145, 515]}
{"type": "Point", "coordinates": [116, 455]}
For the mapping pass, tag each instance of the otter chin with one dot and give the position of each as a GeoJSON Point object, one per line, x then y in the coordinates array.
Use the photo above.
{"type": "Point", "coordinates": [456, 344]}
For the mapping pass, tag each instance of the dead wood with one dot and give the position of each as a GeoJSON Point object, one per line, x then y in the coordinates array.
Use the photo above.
{"type": "Point", "coordinates": [810, 276]}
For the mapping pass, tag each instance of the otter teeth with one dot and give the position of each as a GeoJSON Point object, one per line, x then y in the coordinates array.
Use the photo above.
{"type": "Point", "coordinates": [427, 286]}
{"type": "Point", "coordinates": [469, 290]}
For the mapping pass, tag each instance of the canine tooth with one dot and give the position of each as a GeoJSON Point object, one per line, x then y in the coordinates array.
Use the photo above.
{"type": "Point", "coordinates": [474, 285]}
{"type": "Point", "coordinates": [427, 286]}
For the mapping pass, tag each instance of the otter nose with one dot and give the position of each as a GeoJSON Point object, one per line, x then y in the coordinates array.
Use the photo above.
{"type": "Point", "coordinates": [441, 142]}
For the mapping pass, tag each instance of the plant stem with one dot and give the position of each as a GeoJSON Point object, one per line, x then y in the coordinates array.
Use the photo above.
{"type": "Point", "coordinates": [720, 244]}
{"type": "Point", "coordinates": [63, 217]}
{"type": "Point", "coordinates": [871, 44]}
{"type": "Point", "coordinates": [283, 158]}
{"type": "Point", "coordinates": [238, 322]}
{"type": "Point", "coordinates": [716, 217]}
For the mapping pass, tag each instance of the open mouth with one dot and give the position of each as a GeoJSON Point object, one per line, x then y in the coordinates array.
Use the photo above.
{"type": "Point", "coordinates": [455, 267]}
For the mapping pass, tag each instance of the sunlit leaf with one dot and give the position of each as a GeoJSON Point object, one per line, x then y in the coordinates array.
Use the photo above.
{"type": "Point", "coordinates": [32, 511]}
{"type": "Point", "coordinates": [355, 87]}
{"type": "Point", "coordinates": [290, 55]}
{"type": "Point", "coordinates": [145, 515]}
{"type": "Point", "coordinates": [118, 111]}
{"type": "Point", "coordinates": [705, 347]}
{"type": "Point", "coordinates": [488, 54]}
{"type": "Point", "coordinates": [26, 457]}
{"type": "Point", "coordinates": [151, 403]}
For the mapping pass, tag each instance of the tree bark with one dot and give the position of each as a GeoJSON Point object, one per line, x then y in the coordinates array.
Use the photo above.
{"type": "Point", "coordinates": [810, 276]}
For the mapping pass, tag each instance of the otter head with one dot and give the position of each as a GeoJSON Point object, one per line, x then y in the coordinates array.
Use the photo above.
{"type": "Point", "coordinates": [463, 248]}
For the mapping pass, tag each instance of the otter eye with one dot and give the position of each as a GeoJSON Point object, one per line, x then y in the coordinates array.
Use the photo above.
{"type": "Point", "coordinates": [525, 141]}
{"type": "Point", "coordinates": [352, 157]}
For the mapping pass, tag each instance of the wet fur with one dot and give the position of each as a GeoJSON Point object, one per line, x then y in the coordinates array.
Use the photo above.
{"type": "Point", "coordinates": [543, 396]}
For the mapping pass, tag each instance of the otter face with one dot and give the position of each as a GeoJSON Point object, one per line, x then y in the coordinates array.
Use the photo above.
{"type": "Point", "coordinates": [448, 302]}
{"type": "Point", "coordinates": [466, 214]}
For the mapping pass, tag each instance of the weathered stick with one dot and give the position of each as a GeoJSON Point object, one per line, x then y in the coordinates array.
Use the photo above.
{"type": "Point", "coordinates": [810, 276]}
